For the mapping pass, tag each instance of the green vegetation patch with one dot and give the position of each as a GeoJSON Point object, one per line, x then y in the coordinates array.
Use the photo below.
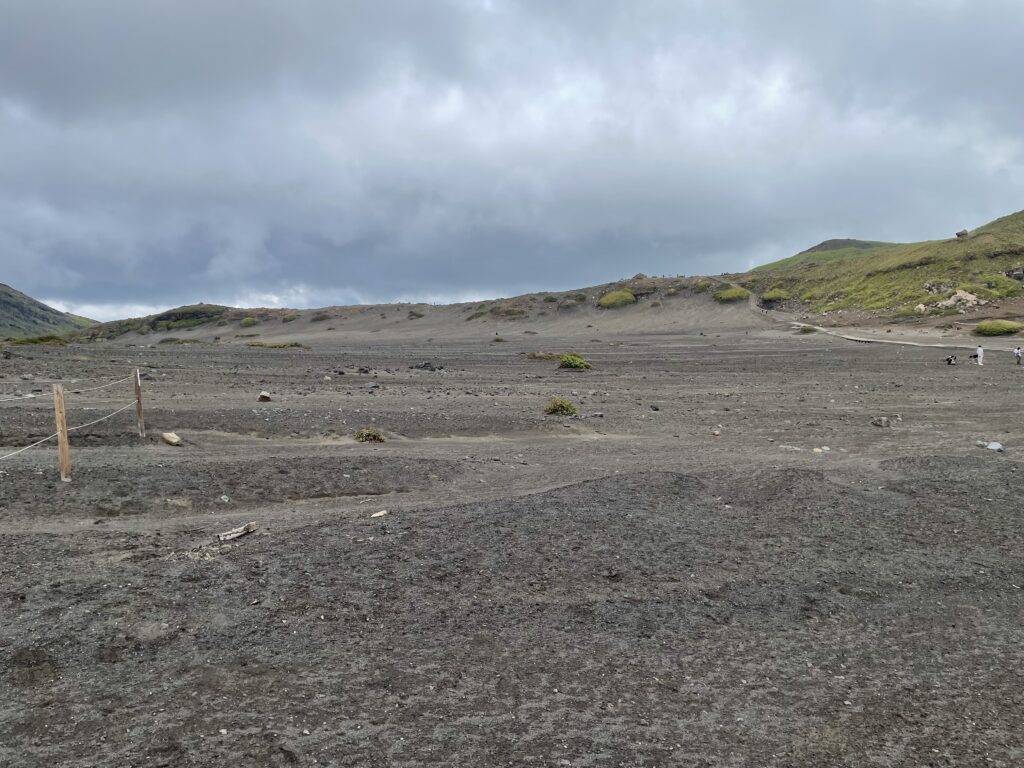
{"type": "Point", "coordinates": [805, 329]}
{"type": "Point", "coordinates": [574, 361]}
{"type": "Point", "coordinates": [248, 322]}
{"type": "Point", "coordinates": [616, 299]}
{"type": "Point", "coordinates": [176, 340]}
{"type": "Point", "coordinates": [775, 294]}
{"type": "Point", "coordinates": [369, 435]}
{"type": "Point", "coordinates": [559, 406]}
{"type": "Point", "coordinates": [727, 295]}
{"type": "Point", "coordinates": [46, 339]}
{"type": "Point", "coordinates": [319, 317]}
{"type": "Point", "coordinates": [998, 327]}
{"type": "Point", "coordinates": [289, 318]}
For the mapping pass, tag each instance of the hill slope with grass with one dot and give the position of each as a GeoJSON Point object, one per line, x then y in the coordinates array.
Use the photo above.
{"type": "Point", "coordinates": [897, 278]}
{"type": "Point", "coordinates": [22, 316]}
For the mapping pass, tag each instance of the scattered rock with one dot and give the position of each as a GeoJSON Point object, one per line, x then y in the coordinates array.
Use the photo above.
{"type": "Point", "coordinates": [225, 499]}
{"type": "Point", "coordinates": [427, 366]}
{"type": "Point", "coordinates": [882, 421]}
{"type": "Point", "coordinates": [170, 438]}
{"type": "Point", "coordinates": [962, 234]}
{"type": "Point", "coordinates": [961, 300]}
{"type": "Point", "coordinates": [994, 446]}
{"type": "Point", "coordinates": [264, 397]}
{"type": "Point", "coordinates": [379, 514]}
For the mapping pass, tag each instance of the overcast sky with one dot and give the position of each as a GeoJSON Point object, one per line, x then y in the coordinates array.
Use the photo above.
{"type": "Point", "coordinates": [313, 152]}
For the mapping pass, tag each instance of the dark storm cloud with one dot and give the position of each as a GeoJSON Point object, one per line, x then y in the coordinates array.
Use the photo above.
{"type": "Point", "coordinates": [316, 151]}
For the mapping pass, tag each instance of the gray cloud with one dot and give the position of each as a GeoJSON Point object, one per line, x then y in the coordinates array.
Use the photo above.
{"type": "Point", "coordinates": [316, 151]}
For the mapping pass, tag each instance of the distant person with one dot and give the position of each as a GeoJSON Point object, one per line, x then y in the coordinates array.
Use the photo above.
{"type": "Point", "coordinates": [980, 354]}
{"type": "Point", "coordinates": [951, 360]}
{"type": "Point", "coordinates": [1016, 354]}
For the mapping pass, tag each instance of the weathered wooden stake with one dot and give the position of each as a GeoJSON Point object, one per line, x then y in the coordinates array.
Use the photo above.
{"type": "Point", "coordinates": [138, 403]}
{"type": "Point", "coordinates": [63, 446]}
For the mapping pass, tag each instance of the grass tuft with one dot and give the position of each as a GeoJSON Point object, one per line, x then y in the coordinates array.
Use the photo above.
{"type": "Point", "coordinates": [574, 361]}
{"type": "Point", "coordinates": [369, 435]}
{"type": "Point", "coordinates": [727, 295]}
{"type": "Point", "coordinates": [559, 406]}
{"type": "Point", "coordinates": [248, 322]}
{"type": "Point", "coordinates": [616, 299]}
{"type": "Point", "coordinates": [998, 328]}
{"type": "Point", "coordinates": [775, 294]}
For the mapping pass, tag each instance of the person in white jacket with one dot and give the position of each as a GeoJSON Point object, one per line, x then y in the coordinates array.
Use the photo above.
{"type": "Point", "coordinates": [980, 354]}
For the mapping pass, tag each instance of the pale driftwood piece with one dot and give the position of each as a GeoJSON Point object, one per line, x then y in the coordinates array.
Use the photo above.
{"type": "Point", "coordinates": [63, 446]}
{"type": "Point", "coordinates": [234, 533]}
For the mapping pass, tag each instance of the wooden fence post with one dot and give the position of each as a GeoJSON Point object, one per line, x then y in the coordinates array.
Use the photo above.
{"type": "Point", "coordinates": [138, 403]}
{"type": "Point", "coordinates": [63, 446]}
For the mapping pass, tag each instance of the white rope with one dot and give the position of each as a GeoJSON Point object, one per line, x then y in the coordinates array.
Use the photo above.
{"type": "Point", "coordinates": [103, 386]}
{"type": "Point", "coordinates": [40, 442]}
{"type": "Point", "coordinates": [109, 415]}
{"type": "Point", "coordinates": [73, 391]}
{"type": "Point", "coordinates": [70, 429]}
{"type": "Point", "coordinates": [19, 397]}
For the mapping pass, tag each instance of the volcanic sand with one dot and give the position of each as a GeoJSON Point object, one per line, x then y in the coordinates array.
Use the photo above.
{"type": "Point", "coordinates": [676, 577]}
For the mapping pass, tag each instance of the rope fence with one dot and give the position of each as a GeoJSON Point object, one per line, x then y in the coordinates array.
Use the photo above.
{"type": "Point", "coordinates": [32, 396]}
{"type": "Point", "coordinates": [63, 447]}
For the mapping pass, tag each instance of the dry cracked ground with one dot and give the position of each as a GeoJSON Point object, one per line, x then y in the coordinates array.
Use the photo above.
{"type": "Point", "coordinates": [675, 578]}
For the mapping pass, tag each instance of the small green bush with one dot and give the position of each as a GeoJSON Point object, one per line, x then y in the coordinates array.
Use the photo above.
{"type": "Point", "coordinates": [702, 287]}
{"type": "Point", "coordinates": [550, 299]}
{"type": "Point", "coordinates": [998, 327]}
{"type": "Point", "coordinates": [807, 329]}
{"type": "Point", "coordinates": [615, 299]}
{"type": "Point", "coordinates": [248, 322]}
{"type": "Point", "coordinates": [289, 318]}
{"type": "Point", "coordinates": [319, 317]}
{"type": "Point", "coordinates": [559, 406]}
{"type": "Point", "coordinates": [727, 295]}
{"type": "Point", "coordinates": [369, 435]}
{"type": "Point", "coordinates": [572, 360]}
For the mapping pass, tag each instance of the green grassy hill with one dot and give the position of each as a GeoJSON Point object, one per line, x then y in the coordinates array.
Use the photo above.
{"type": "Point", "coordinates": [896, 277]}
{"type": "Point", "coordinates": [22, 316]}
